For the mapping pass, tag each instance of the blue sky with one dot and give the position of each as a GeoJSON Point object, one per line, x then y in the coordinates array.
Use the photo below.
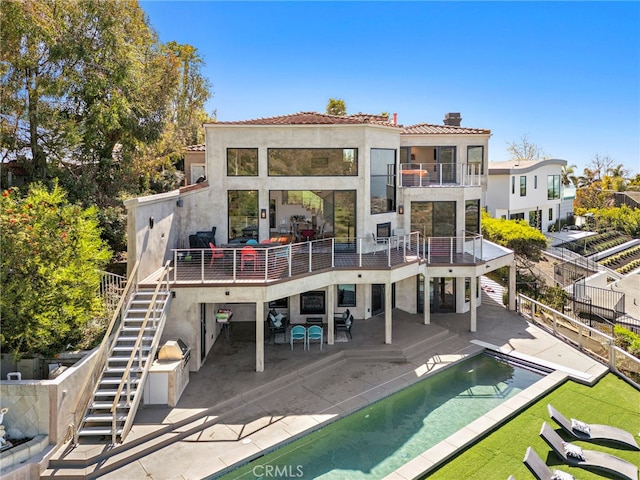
{"type": "Point", "coordinates": [566, 74]}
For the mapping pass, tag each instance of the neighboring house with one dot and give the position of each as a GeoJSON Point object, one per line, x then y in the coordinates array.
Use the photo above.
{"type": "Point", "coordinates": [531, 191]}
{"type": "Point", "coordinates": [345, 191]}
{"type": "Point", "coordinates": [194, 163]}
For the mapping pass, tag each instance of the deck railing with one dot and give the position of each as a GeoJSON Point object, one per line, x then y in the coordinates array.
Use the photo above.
{"type": "Point", "coordinates": [439, 174]}
{"type": "Point", "coordinates": [589, 340]}
{"type": "Point", "coordinates": [264, 263]}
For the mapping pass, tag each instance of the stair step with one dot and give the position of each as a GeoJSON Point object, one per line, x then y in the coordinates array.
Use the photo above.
{"type": "Point", "coordinates": [101, 431]}
{"type": "Point", "coordinates": [129, 348]}
{"type": "Point", "coordinates": [116, 380]}
{"type": "Point", "coordinates": [99, 405]}
{"type": "Point", "coordinates": [112, 393]}
{"type": "Point", "coordinates": [104, 417]}
{"type": "Point", "coordinates": [145, 338]}
{"type": "Point", "coordinates": [120, 370]}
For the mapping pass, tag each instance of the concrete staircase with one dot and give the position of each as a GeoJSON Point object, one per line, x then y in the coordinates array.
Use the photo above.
{"type": "Point", "coordinates": [126, 367]}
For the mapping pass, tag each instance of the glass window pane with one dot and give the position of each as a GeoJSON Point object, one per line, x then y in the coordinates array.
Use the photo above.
{"type": "Point", "coordinates": [382, 185]}
{"type": "Point", "coordinates": [243, 214]}
{"type": "Point", "coordinates": [475, 155]}
{"type": "Point", "coordinates": [310, 162]}
{"type": "Point", "coordinates": [347, 295]}
{"type": "Point", "coordinates": [242, 162]}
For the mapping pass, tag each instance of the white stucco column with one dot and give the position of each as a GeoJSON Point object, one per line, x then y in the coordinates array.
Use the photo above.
{"type": "Point", "coordinates": [260, 336]}
{"type": "Point", "coordinates": [512, 286]}
{"type": "Point", "coordinates": [388, 313]}
{"type": "Point", "coordinates": [474, 303]}
{"type": "Point", "coordinates": [425, 301]}
{"type": "Point", "coordinates": [330, 309]}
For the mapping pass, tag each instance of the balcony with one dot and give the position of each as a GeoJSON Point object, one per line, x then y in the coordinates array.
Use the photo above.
{"type": "Point", "coordinates": [266, 263]}
{"type": "Point", "coordinates": [440, 175]}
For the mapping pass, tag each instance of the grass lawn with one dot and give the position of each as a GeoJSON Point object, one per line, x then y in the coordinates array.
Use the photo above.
{"type": "Point", "coordinates": [611, 401]}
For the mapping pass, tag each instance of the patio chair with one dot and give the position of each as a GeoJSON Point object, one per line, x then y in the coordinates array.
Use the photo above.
{"type": "Point", "coordinates": [248, 254]}
{"type": "Point", "coordinates": [315, 332]}
{"type": "Point", "coordinates": [276, 323]}
{"type": "Point", "coordinates": [575, 456]}
{"type": "Point", "coordinates": [592, 431]}
{"type": "Point", "coordinates": [215, 253]}
{"type": "Point", "coordinates": [540, 469]}
{"type": "Point", "coordinates": [298, 332]}
{"type": "Point", "coordinates": [344, 325]}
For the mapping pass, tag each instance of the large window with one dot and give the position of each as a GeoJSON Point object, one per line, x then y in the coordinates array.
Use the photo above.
{"type": "Point", "coordinates": [434, 219]}
{"type": "Point", "coordinates": [383, 189]}
{"type": "Point", "coordinates": [513, 185]}
{"type": "Point", "coordinates": [243, 214]}
{"type": "Point", "coordinates": [311, 162]}
{"type": "Point", "coordinates": [553, 187]}
{"type": "Point", "coordinates": [242, 162]}
{"type": "Point", "coordinates": [472, 216]}
{"type": "Point", "coordinates": [523, 186]}
{"type": "Point", "coordinates": [475, 156]}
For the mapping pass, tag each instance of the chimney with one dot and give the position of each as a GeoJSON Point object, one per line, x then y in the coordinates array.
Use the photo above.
{"type": "Point", "coordinates": [395, 118]}
{"type": "Point", "coordinates": [452, 119]}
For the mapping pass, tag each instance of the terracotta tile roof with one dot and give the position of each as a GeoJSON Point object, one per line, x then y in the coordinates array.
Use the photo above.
{"type": "Point", "coordinates": [196, 148]}
{"type": "Point", "coordinates": [431, 129]}
{"type": "Point", "coordinates": [314, 118]}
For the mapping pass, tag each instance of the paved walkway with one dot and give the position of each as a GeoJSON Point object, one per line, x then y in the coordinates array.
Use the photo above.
{"type": "Point", "coordinates": [229, 413]}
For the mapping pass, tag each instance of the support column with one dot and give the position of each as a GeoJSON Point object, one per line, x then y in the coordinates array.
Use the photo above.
{"type": "Point", "coordinates": [330, 309]}
{"type": "Point", "coordinates": [474, 303]}
{"type": "Point", "coordinates": [425, 301]}
{"type": "Point", "coordinates": [388, 314]}
{"type": "Point", "coordinates": [512, 286]}
{"type": "Point", "coordinates": [260, 336]}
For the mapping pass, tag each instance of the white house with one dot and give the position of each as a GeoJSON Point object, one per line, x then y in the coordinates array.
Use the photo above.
{"type": "Point", "coordinates": [529, 190]}
{"type": "Point", "coordinates": [361, 212]}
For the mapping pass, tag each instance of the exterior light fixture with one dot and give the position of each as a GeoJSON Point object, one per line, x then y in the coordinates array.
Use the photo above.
{"type": "Point", "coordinates": [401, 209]}
{"type": "Point", "coordinates": [151, 222]}
{"type": "Point", "coordinates": [263, 213]}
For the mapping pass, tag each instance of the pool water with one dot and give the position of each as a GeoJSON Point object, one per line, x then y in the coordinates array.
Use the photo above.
{"type": "Point", "coordinates": [380, 438]}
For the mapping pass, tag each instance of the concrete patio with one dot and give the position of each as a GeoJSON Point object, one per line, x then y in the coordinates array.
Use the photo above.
{"type": "Point", "coordinates": [229, 413]}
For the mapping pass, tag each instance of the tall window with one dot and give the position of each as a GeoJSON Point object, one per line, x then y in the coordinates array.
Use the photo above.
{"type": "Point", "coordinates": [312, 162]}
{"type": "Point", "coordinates": [472, 216]}
{"type": "Point", "coordinates": [535, 181]}
{"type": "Point", "coordinates": [242, 162]}
{"type": "Point", "coordinates": [243, 213]}
{"type": "Point", "coordinates": [513, 185]}
{"type": "Point", "coordinates": [475, 156]}
{"type": "Point", "coordinates": [551, 214]}
{"type": "Point", "coordinates": [383, 184]}
{"type": "Point", "coordinates": [523, 186]}
{"type": "Point", "coordinates": [553, 187]}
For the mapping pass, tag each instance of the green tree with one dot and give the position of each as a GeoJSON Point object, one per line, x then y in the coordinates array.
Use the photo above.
{"type": "Point", "coordinates": [336, 106]}
{"type": "Point", "coordinates": [527, 242]}
{"type": "Point", "coordinates": [567, 175]}
{"type": "Point", "coordinates": [52, 254]}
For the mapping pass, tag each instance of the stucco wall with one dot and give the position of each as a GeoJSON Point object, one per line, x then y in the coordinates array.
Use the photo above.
{"type": "Point", "coordinates": [44, 406]}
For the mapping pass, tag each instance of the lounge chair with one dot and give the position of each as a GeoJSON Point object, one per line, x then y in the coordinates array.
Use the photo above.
{"type": "Point", "coordinates": [575, 456]}
{"type": "Point", "coordinates": [592, 431]}
{"type": "Point", "coordinates": [540, 469]}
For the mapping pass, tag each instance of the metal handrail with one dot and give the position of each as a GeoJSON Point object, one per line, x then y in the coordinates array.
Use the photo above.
{"type": "Point", "coordinates": [581, 328]}
{"type": "Point", "coordinates": [432, 174]}
{"type": "Point", "coordinates": [126, 380]}
{"type": "Point", "coordinates": [86, 393]}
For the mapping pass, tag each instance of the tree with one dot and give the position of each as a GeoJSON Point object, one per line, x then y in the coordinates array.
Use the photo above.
{"type": "Point", "coordinates": [524, 150]}
{"type": "Point", "coordinates": [50, 270]}
{"type": "Point", "coordinates": [526, 242]}
{"type": "Point", "coordinates": [336, 106]}
{"type": "Point", "coordinates": [567, 176]}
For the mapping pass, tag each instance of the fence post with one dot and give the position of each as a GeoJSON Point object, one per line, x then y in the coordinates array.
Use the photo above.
{"type": "Point", "coordinates": [612, 356]}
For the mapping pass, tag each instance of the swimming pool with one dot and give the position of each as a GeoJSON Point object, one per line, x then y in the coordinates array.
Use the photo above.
{"type": "Point", "coordinates": [380, 438]}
